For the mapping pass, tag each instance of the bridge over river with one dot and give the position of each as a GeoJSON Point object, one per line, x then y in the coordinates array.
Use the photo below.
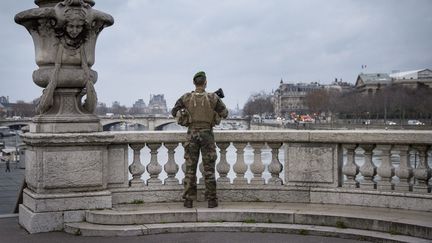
{"type": "Point", "coordinates": [150, 123]}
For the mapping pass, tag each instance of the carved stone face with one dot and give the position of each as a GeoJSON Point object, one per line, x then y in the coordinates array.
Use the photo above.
{"type": "Point", "coordinates": [74, 27]}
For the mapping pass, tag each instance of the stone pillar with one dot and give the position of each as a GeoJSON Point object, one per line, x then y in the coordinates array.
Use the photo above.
{"type": "Point", "coordinates": [66, 174]}
{"type": "Point", "coordinates": [67, 161]}
{"type": "Point", "coordinates": [386, 169]}
{"type": "Point", "coordinates": [64, 35]}
{"type": "Point", "coordinates": [223, 167]}
{"type": "Point", "coordinates": [136, 168]}
{"type": "Point", "coordinates": [404, 171]}
{"type": "Point", "coordinates": [351, 169]}
{"type": "Point", "coordinates": [154, 168]}
{"type": "Point", "coordinates": [313, 165]}
{"type": "Point", "coordinates": [240, 167]}
{"type": "Point", "coordinates": [257, 167]}
{"type": "Point", "coordinates": [171, 167]}
{"type": "Point", "coordinates": [422, 173]}
{"type": "Point", "coordinates": [368, 169]}
{"type": "Point", "coordinates": [275, 166]}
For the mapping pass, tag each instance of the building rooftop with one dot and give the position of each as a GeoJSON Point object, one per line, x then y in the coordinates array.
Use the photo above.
{"type": "Point", "coordinates": [413, 74]}
{"type": "Point", "coordinates": [369, 78]}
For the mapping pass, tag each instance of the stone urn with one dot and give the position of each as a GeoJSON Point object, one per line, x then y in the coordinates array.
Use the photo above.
{"type": "Point", "coordinates": [64, 35]}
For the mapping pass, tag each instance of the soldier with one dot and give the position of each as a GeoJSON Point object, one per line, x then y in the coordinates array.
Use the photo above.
{"type": "Point", "coordinates": [200, 111]}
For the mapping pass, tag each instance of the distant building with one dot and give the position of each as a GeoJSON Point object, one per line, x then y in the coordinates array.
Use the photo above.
{"type": "Point", "coordinates": [370, 83]}
{"type": "Point", "coordinates": [157, 104]}
{"type": "Point", "coordinates": [413, 79]}
{"type": "Point", "coordinates": [339, 86]}
{"type": "Point", "coordinates": [290, 97]}
{"type": "Point", "coordinates": [4, 105]}
{"type": "Point", "coordinates": [139, 107]}
{"type": "Point", "coordinates": [4, 100]}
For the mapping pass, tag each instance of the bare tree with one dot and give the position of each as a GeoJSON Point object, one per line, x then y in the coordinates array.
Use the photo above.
{"type": "Point", "coordinates": [260, 104]}
{"type": "Point", "coordinates": [23, 109]}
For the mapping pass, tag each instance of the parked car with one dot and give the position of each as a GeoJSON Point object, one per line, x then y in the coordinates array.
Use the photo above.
{"type": "Point", "coordinates": [5, 132]}
{"type": "Point", "coordinates": [391, 123]}
{"type": "Point", "coordinates": [415, 122]}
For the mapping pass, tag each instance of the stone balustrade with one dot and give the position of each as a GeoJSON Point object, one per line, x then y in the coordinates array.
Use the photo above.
{"type": "Point", "coordinates": [327, 166]}
{"type": "Point", "coordinates": [75, 172]}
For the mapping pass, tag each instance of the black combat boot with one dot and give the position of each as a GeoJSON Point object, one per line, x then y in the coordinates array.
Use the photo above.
{"type": "Point", "coordinates": [212, 203]}
{"type": "Point", "coordinates": [188, 203]}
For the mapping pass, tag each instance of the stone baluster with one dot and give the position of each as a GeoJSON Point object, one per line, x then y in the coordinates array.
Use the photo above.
{"type": "Point", "coordinates": [257, 167]}
{"type": "Point", "coordinates": [386, 169]}
{"type": "Point", "coordinates": [368, 169]}
{"type": "Point", "coordinates": [183, 166]}
{"type": "Point", "coordinates": [422, 173]}
{"type": "Point", "coordinates": [136, 168]}
{"type": "Point", "coordinates": [171, 167]}
{"type": "Point", "coordinates": [240, 167]}
{"type": "Point", "coordinates": [351, 169]}
{"type": "Point", "coordinates": [223, 167]}
{"type": "Point", "coordinates": [404, 171]}
{"type": "Point", "coordinates": [154, 168]}
{"type": "Point", "coordinates": [275, 166]}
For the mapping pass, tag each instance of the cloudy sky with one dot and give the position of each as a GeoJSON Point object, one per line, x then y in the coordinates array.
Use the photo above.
{"type": "Point", "coordinates": [245, 46]}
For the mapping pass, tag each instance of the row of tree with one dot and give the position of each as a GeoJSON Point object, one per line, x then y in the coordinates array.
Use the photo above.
{"type": "Point", "coordinates": [20, 108]}
{"type": "Point", "coordinates": [393, 102]}
{"type": "Point", "coordinates": [260, 104]}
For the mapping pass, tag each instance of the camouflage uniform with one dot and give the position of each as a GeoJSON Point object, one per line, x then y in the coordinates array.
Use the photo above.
{"type": "Point", "coordinates": [204, 109]}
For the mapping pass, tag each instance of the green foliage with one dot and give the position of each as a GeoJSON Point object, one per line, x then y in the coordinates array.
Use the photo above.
{"type": "Point", "coordinates": [249, 221]}
{"type": "Point", "coordinates": [303, 232]}
{"type": "Point", "coordinates": [137, 201]}
{"type": "Point", "coordinates": [340, 225]}
{"type": "Point", "coordinates": [393, 231]}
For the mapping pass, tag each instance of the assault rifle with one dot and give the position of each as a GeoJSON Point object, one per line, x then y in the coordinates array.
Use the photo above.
{"type": "Point", "coordinates": [220, 93]}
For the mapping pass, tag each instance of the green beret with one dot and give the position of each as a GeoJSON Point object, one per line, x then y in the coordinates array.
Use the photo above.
{"type": "Point", "coordinates": [199, 74]}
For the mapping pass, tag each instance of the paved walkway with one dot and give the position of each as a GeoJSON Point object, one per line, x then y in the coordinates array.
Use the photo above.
{"type": "Point", "coordinates": [10, 184]}
{"type": "Point", "coordinates": [11, 232]}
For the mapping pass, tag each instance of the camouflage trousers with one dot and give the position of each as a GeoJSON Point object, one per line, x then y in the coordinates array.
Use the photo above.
{"type": "Point", "coordinates": [200, 140]}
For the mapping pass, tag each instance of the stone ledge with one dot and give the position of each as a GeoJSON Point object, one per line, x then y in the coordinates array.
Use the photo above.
{"type": "Point", "coordinates": [281, 193]}
{"type": "Point", "coordinates": [404, 222]}
{"type": "Point", "coordinates": [234, 193]}
{"type": "Point", "coordinates": [371, 198]}
{"type": "Point", "coordinates": [312, 136]}
{"type": "Point", "coordinates": [86, 229]}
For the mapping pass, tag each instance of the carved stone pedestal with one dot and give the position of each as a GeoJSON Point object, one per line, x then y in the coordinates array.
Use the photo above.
{"type": "Point", "coordinates": [69, 166]}
{"type": "Point", "coordinates": [67, 174]}
{"type": "Point", "coordinates": [66, 115]}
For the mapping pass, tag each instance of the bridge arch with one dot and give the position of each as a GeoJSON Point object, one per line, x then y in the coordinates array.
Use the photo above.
{"type": "Point", "coordinates": [161, 126]}
{"type": "Point", "coordinates": [107, 125]}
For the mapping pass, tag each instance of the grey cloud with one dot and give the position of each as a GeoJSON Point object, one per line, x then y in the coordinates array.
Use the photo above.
{"type": "Point", "coordinates": [244, 45]}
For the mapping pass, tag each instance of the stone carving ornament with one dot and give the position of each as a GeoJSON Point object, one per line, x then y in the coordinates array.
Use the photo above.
{"type": "Point", "coordinates": [64, 34]}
